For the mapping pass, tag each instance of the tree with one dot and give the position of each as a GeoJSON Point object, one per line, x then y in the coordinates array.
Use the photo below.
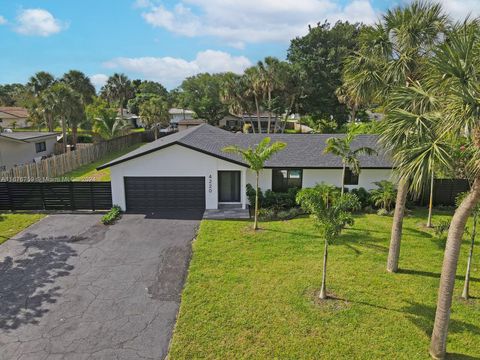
{"type": "Point", "coordinates": [119, 90]}
{"type": "Point", "coordinates": [144, 91]}
{"type": "Point", "coordinates": [385, 194]}
{"type": "Point", "coordinates": [321, 55]}
{"type": "Point", "coordinates": [154, 112]}
{"type": "Point", "coordinates": [254, 79]}
{"type": "Point", "coordinates": [82, 86]}
{"type": "Point", "coordinates": [11, 94]}
{"type": "Point", "coordinates": [39, 82]}
{"type": "Point", "coordinates": [392, 54]}
{"type": "Point", "coordinates": [256, 157]}
{"type": "Point", "coordinates": [202, 94]}
{"type": "Point", "coordinates": [331, 212]}
{"type": "Point", "coordinates": [105, 119]}
{"type": "Point", "coordinates": [342, 147]}
{"type": "Point", "coordinates": [456, 73]}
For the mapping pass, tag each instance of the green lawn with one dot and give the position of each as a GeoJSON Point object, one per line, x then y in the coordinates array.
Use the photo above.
{"type": "Point", "coordinates": [12, 224]}
{"type": "Point", "coordinates": [251, 295]}
{"type": "Point", "coordinates": [89, 173]}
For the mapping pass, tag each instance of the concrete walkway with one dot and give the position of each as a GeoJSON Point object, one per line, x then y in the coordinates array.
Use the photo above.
{"type": "Point", "coordinates": [223, 214]}
{"type": "Point", "coordinates": [71, 288]}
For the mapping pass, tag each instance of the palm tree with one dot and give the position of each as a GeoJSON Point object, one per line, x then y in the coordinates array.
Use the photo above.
{"type": "Point", "coordinates": [118, 89]}
{"type": "Point", "coordinates": [106, 121]}
{"type": "Point", "coordinates": [254, 79]}
{"type": "Point", "coordinates": [154, 112]}
{"type": "Point", "coordinates": [456, 73]}
{"type": "Point", "coordinates": [38, 102]}
{"type": "Point", "coordinates": [385, 194]}
{"type": "Point", "coordinates": [82, 85]}
{"type": "Point", "coordinates": [331, 213]}
{"type": "Point", "coordinates": [395, 52]}
{"type": "Point", "coordinates": [256, 157]}
{"type": "Point", "coordinates": [342, 147]}
{"type": "Point", "coordinates": [39, 82]}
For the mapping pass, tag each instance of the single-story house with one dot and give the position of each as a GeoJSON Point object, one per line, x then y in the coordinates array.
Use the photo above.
{"type": "Point", "coordinates": [12, 117]}
{"type": "Point", "coordinates": [179, 114]}
{"type": "Point", "coordinates": [17, 148]}
{"type": "Point", "coordinates": [189, 169]}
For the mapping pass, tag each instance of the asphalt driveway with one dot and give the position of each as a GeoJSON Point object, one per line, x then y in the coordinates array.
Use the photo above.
{"type": "Point", "coordinates": [71, 288]}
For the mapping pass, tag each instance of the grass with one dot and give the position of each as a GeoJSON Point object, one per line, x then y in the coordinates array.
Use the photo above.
{"type": "Point", "coordinates": [89, 173]}
{"type": "Point", "coordinates": [252, 295]}
{"type": "Point", "coordinates": [11, 224]}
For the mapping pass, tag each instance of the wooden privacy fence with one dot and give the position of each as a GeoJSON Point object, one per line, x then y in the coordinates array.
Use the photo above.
{"type": "Point", "coordinates": [55, 195]}
{"type": "Point", "coordinates": [55, 166]}
{"type": "Point", "coordinates": [445, 191]}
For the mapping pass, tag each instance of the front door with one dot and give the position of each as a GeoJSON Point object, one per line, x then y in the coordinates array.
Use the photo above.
{"type": "Point", "coordinates": [229, 186]}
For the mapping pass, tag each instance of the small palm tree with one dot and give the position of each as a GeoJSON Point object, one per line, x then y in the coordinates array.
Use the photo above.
{"type": "Point", "coordinates": [255, 157]}
{"type": "Point", "coordinates": [154, 112]}
{"type": "Point", "coordinates": [342, 147]}
{"type": "Point", "coordinates": [332, 212]}
{"type": "Point", "coordinates": [385, 195]}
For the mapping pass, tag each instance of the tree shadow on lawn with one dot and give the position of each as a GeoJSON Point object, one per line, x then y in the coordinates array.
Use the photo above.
{"type": "Point", "coordinates": [26, 283]}
{"type": "Point", "coordinates": [432, 274]}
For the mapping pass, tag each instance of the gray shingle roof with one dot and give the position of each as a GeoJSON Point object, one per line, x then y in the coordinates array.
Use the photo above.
{"type": "Point", "coordinates": [27, 135]}
{"type": "Point", "coordinates": [302, 151]}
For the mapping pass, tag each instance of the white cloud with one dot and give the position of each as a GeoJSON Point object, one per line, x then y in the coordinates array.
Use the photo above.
{"type": "Point", "coordinates": [98, 80]}
{"type": "Point", "coordinates": [2, 20]}
{"type": "Point", "coordinates": [253, 21]}
{"type": "Point", "coordinates": [459, 9]}
{"type": "Point", "coordinates": [171, 71]}
{"type": "Point", "coordinates": [142, 4]}
{"type": "Point", "coordinates": [38, 22]}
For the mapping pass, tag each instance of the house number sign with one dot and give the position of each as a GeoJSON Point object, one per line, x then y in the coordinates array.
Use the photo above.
{"type": "Point", "coordinates": [210, 183]}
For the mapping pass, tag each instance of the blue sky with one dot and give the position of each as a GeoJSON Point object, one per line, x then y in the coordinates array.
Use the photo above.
{"type": "Point", "coordinates": [164, 40]}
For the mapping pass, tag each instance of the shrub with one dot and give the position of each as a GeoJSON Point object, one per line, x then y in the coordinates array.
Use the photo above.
{"type": "Point", "coordinates": [441, 228]}
{"type": "Point", "coordinates": [272, 214]}
{"type": "Point", "coordinates": [383, 212]}
{"type": "Point", "coordinates": [385, 195]}
{"type": "Point", "coordinates": [112, 215]}
{"type": "Point", "coordinates": [272, 200]}
{"type": "Point", "coordinates": [363, 196]}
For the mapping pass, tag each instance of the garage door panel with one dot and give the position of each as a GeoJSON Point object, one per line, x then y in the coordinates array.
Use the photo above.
{"type": "Point", "coordinates": [161, 193]}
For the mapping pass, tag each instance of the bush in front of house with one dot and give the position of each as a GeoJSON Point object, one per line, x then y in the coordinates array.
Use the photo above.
{"type": "Point", "coordinates": [274, 205]}
{"type": "Point", "coordinates": [363, 196]}
{"type": "Point", "coordinates": [112, 215]}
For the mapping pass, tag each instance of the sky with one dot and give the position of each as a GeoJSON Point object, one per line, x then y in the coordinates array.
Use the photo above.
{"type": "Point", "coordinates": [167, 40]}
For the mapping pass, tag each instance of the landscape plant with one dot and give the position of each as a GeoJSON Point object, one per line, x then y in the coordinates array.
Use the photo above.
{"type": "Point", "coordinates": [256, 157]}
{"type": "Point", "coordinates": [112, 215]}
{"type": "Point", "coordinates": [332, 212]}
{"type": "Point", "coordinates": [384, 195]}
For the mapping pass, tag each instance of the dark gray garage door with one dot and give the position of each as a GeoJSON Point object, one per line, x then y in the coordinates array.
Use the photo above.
{"type": "Point", "coordinates": [164, 193]}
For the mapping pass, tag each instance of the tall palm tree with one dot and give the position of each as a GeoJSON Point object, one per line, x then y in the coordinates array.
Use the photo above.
{"type": "Point", "coordinates": [256, 157]}
{"type": "Point", "coordinates": [39, 82]}
{"type": "Point", "coordinates": [456, 73]}
{"type": "Point", "coordinates": [395, 52]}
{"type": "Point", "coordinates": [342, 147]}
{"type": "Point", "coordinates": [118, 89]}
{"type": "Point", "coordinates": [38, 102]}
{"type": "Point", "coordinates": [82, 85]}
{"type": "Point", "coordinates": [269, 71]}
{"type": "Point", "coordinates": [254, 78]}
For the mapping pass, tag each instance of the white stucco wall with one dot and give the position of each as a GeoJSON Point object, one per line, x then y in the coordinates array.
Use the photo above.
{"type": "Point", "coordinates": [366, 179]}
{"type": "Point", "coordinates": [175, 160]}
{"type": "Point", "coordinates": [17, 153]}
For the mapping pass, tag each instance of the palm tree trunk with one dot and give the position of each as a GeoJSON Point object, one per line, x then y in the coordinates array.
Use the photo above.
{"type": "Point", "coordinates": [466, 286]}
{"type": "Point", "coordinates": [255, 223]}
{"type": "Point", "coordinates": [438, 342]}
{"type": "Point", "coordinates": [74, 134]}
{"type": "Point", "coordinates": [258, 115]}
{"type": "Point", "coordinates": [430, 203]}
{"type": "Point", "coordinates": [343, 178]}
{"type": "Point", "coordinates": [396, 235]}
{"type": "Point", "coordinates": [64, 135]}
{"type": "Point", "coordinates": [323, 289]}
{"type": "Point", "coordinates": [269, 111]}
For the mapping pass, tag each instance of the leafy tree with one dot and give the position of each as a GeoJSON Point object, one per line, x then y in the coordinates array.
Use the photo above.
{"type": "Point", "coordinates": [39, 82]}
{"type": "Point", "coordinates": [342, 147]}
{"type": "Point", "coordinates": [331, 212]}
{"type": "Point", "coordinates": [321, 55]}
{"type": "Point", "coordinates": [154, 113]}
{"type": "Point", "coordinates": [256, 157]}
{"type": "Point", "coordinates": [202, 94]}
{"type": "Point", "coordinates": [119, 90]}
{"type": "Point", "coordinates": [394, 53]}
{"type": "Point", "coordinates": [105, 120]}
{"type": "Point", "coordinates": [144, 91]}
{"type": "Point", "coordinates": [385, 194]}
{"type": "Point", "coordinates": [12, 94]}
{"type": "Point", "coordinates": [152, 87]}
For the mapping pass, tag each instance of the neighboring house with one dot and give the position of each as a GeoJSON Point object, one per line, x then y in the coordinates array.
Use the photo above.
{"type": "Point", "coordinates": [186, 124]}
{"type": "Point", "coordinates": [236, 122]}
{"type": "Point", "coordinates": [17, 148]}
{"type": "Point", "coordinates": [189, 169]}
{"type": "Point", "coordinates": [132, 119]}
{"type": "Point", "coordinates": [179, 114]}
{"type": "Point", "coordinates": [13, 117]}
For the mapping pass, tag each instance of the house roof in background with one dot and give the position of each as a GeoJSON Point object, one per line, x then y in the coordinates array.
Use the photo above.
{"type": "Point", "coordinates": [13, 112]}
{"type": "Point", "coordinates": [302, 151]}
{"type": "Point", "coordinates": [27, 136]}
{"type": "Point", "coordinates": [176, 111]}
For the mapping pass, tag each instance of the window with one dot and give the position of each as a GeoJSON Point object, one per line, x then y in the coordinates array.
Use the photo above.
{"type": "Point", "coordinates": [41, 146]}
{"type": "Point", "coordinates": [282, 180]}
{"type": "Point", "coordinates": [350, 177]}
